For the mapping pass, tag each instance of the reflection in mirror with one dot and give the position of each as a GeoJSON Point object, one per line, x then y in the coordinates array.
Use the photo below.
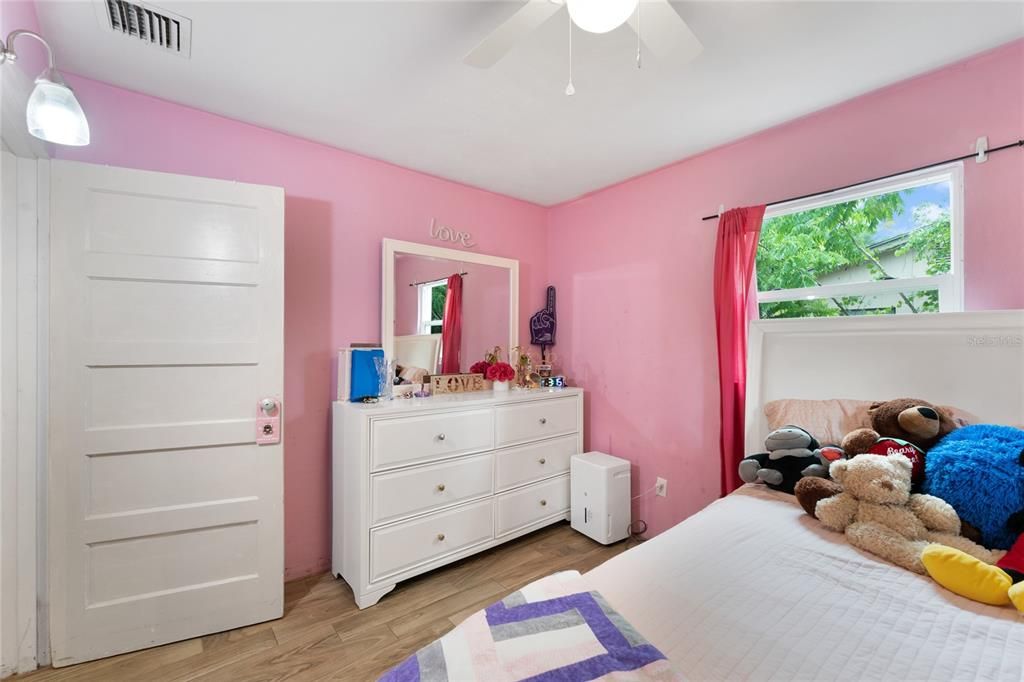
{"type": "Point", "coordinates": [440, 329]}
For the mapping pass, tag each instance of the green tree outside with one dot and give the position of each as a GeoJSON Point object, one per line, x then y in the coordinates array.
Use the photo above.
{"type": "Point", "coordinates": [798, 249]}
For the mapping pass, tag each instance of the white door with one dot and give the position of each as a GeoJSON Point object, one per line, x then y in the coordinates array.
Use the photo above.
{"type": "Point", "coordinates": [166, 331]}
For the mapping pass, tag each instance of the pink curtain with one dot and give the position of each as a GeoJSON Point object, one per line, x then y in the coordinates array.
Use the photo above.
{"type": "Point", "coordinates": [735, 250]}
{"type": "Point", "coordinates": [451, 327]}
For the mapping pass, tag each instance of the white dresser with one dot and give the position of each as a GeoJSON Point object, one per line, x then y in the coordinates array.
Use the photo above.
{"type": "Point", "coordinates": [423, 482]}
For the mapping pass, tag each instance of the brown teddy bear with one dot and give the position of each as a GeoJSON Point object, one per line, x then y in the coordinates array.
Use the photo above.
{"type": "Point", "coordinates": [907, 426]}
{"type": "Point", "coordinates": [879, 515]}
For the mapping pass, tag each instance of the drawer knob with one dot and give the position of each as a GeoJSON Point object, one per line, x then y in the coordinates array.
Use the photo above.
{"type": "Point", "coordinates": [440, 436]}
{"type": "Point", "coordinates": [440, 537]}
{"type": "Point", "coordinates": [543, 420]}
{"type": "Point", "coordinates": [440, 487]}
{"type": "Point", "coordinates": [542, 460]}
{"type": "Point", "coordinates": [543, 503]}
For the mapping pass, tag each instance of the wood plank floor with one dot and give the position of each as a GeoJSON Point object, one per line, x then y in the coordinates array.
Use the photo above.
{"type": "Point", "coordinates": [323, 636]}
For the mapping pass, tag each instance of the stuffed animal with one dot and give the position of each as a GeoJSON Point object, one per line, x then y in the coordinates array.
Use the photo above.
{"type": "Point", "coordinates": [790, 455]}
{"type": "Point", "coordinates": [879, 515]}
{"type": "Point", "coordinates": [907, 426]}
{"type": "Point", "coordinates": [979, 470]}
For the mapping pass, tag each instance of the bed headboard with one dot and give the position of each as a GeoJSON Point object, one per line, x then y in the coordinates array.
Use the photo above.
{"type": "Point", "coordinates": [974, 361]}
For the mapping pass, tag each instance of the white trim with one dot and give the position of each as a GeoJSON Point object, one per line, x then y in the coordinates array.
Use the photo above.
{"type": "Point", "coordinates": [855, 289]}
{"type": "Point", "coordinates": [43, 410]}
{"type": "Point", "coordinates": [22, 452]}
{"type": "Point", "coordinates": [392, 247]}
{"type": "Point", "coordinates": [892, 184]}
{"type": "Point", "coordinates": [950, 285]}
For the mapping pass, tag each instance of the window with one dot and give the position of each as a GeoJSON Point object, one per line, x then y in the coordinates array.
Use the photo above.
{"type": "Point", "coordinates": [886, 248]}
{"type": "Point", "coordinates": [431, 306]}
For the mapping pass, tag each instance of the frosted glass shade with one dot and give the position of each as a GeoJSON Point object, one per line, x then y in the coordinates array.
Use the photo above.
{"type": "Point", "coordinates": [55, 115]}
{"type": "Point", "coordinates": [600, 16]}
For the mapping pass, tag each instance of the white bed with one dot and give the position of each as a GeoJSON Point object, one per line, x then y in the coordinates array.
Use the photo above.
{"type": "Point", "coordinates": [752, 588]}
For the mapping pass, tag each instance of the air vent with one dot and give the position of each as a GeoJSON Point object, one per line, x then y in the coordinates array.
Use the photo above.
{"type": "Point", "coordinates": [150, 25]}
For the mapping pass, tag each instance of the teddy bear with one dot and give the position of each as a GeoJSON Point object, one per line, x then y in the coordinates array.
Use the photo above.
{"type": "Point", "coordinates": [979, 470]}
{"type": "Point", "coordinates": [908, 426]}
{"type": "Point", "coordinates": [878, 513]}
{"type": "Point", "coordinates": [792, 453]}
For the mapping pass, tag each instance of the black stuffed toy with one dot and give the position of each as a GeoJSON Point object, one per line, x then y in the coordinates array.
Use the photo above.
{"type": "Point", "coordinates": [792, 453]}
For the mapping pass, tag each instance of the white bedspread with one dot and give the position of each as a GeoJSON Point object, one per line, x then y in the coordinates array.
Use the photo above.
{"type": "Point", "coordinates": [752, 588]}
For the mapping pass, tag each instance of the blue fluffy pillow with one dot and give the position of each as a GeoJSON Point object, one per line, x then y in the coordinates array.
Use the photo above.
{"type": "Point", "coordinates": [980, 471]}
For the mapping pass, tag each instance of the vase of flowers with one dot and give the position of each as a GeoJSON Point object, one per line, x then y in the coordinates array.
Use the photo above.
{"type": "Point", "coordinates": [501, 374]}
{"type": "Point", "coordinates": [495, 370]}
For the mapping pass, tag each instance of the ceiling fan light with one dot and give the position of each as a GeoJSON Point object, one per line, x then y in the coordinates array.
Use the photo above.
{"type": "Point", "coordinates": [600, 16]}
{"type": "Point", "coordinates": [54, 114]}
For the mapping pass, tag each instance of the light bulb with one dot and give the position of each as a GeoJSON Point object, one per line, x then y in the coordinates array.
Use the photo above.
{"type": "Point", "coordinates": [53, 113]}
{"type": "Point", "coordinates": [600, 16]}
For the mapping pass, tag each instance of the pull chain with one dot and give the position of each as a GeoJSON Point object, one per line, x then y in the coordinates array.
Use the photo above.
{"type": "Point", "coordinates": [570, 89]}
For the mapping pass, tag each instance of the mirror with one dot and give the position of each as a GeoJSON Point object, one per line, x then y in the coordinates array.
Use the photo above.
{"type": "Point", "coordinates": [420, 295]}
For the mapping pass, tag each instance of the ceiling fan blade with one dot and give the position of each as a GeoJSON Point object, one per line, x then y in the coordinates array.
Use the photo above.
{"type": "Point", "coordinates": [664, 32]}
{"type": "Point", "coordinates": [518, 26]}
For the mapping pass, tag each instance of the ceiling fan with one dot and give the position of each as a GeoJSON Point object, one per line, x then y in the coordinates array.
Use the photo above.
{"type": "Point", "coordinates": [664, 31]}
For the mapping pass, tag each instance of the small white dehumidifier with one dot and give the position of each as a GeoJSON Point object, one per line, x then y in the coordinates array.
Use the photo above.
{"type": "Point", "coordinates": [600, 496]}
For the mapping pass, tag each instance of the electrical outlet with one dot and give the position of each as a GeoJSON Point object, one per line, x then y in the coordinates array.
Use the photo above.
{"type": "Point", "coordinates": [661, 487]}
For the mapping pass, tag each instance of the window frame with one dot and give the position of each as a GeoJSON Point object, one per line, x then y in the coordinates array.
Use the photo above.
{"type": "Point", "coordinates": [949, 285]}
{"type": "Point", "coordinates": [425, 307]}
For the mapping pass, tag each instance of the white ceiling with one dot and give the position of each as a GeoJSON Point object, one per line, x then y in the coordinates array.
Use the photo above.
{"type": "Point", "coordinates": [385, 79]}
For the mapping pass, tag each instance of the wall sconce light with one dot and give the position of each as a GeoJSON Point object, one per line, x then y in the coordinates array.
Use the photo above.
{"type": "Point", "coordinates": [53, 114]}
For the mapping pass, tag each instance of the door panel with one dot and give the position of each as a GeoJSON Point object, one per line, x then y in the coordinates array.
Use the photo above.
{"type": "Point", "coordinates": [166, 328]}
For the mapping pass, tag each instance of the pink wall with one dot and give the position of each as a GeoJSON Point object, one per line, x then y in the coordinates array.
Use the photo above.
{"type": "Point", "coordinates": [484, 302]}
{"type": "Point", "coordinates": [633, 262]}
{"type": "Point", "coordinates": [338, 207]}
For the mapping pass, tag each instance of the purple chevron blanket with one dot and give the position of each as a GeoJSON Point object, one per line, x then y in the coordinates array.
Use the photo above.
{"type": "Point", "coordinates": [553, 629]}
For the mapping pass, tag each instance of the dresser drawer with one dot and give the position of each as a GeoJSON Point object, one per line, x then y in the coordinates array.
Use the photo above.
{"type": "Point", "coordinates": [405, 545]}
{"type": "Point", "coordinates": [526, 463]}
{"type": "Point", "coordinates": [534, 420]}
{"type": "Point", "coordinates": [396, 442]}
{"type": "Point", "coordinates": [534, 503]}
{"type": "Point", "coordinates": [413, 491]}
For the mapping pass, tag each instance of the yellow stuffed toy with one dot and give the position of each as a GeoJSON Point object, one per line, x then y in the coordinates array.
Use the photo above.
{"type": "Point", "coordinates": [962, 574]}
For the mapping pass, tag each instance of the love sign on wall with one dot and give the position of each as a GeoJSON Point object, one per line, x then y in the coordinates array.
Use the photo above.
{"type": "Point", "coordinates": [450, 234]}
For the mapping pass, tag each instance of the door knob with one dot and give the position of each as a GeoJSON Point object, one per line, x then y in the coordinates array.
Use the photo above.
{"type": "Point", "coordinates": [542, 460]}
{"type": "Point", "coordinates": [440, 537]}
{"type": "Point", "coordinates": [440, 436]}
{"type": "Point", "coordinates": [543, 420]}
{"type": "Point", "coordinates": [440, 487]}
{"type": "Point", "coordinates": [543, 503]}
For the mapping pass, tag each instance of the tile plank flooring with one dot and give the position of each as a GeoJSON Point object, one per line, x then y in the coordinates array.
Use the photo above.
{"type": "Point", "coordinates": [323, 636]}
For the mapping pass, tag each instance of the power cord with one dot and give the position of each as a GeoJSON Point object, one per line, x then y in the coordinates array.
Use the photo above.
{"type": "Point", "coordinates": [635, 534]}
{"type": "Point", "coordinates": [646, 492]}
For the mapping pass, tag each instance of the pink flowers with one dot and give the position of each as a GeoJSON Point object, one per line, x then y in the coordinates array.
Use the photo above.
{"type": "Point", "coordinates": [480, 367]}
{"type": "Point", "coordinates": [500, 371]}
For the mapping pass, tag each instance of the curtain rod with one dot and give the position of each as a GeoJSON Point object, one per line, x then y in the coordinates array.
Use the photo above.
{"type": "Point", "coordinates": [428, 281]}
{"type": "Point", "coordinates": [1011, 145]}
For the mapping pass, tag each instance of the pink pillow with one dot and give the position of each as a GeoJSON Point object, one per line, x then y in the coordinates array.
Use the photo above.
{"type": "Point", "coordinates": [830, 420]}
{"type": "Point", "coordinates": [826, 420]}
